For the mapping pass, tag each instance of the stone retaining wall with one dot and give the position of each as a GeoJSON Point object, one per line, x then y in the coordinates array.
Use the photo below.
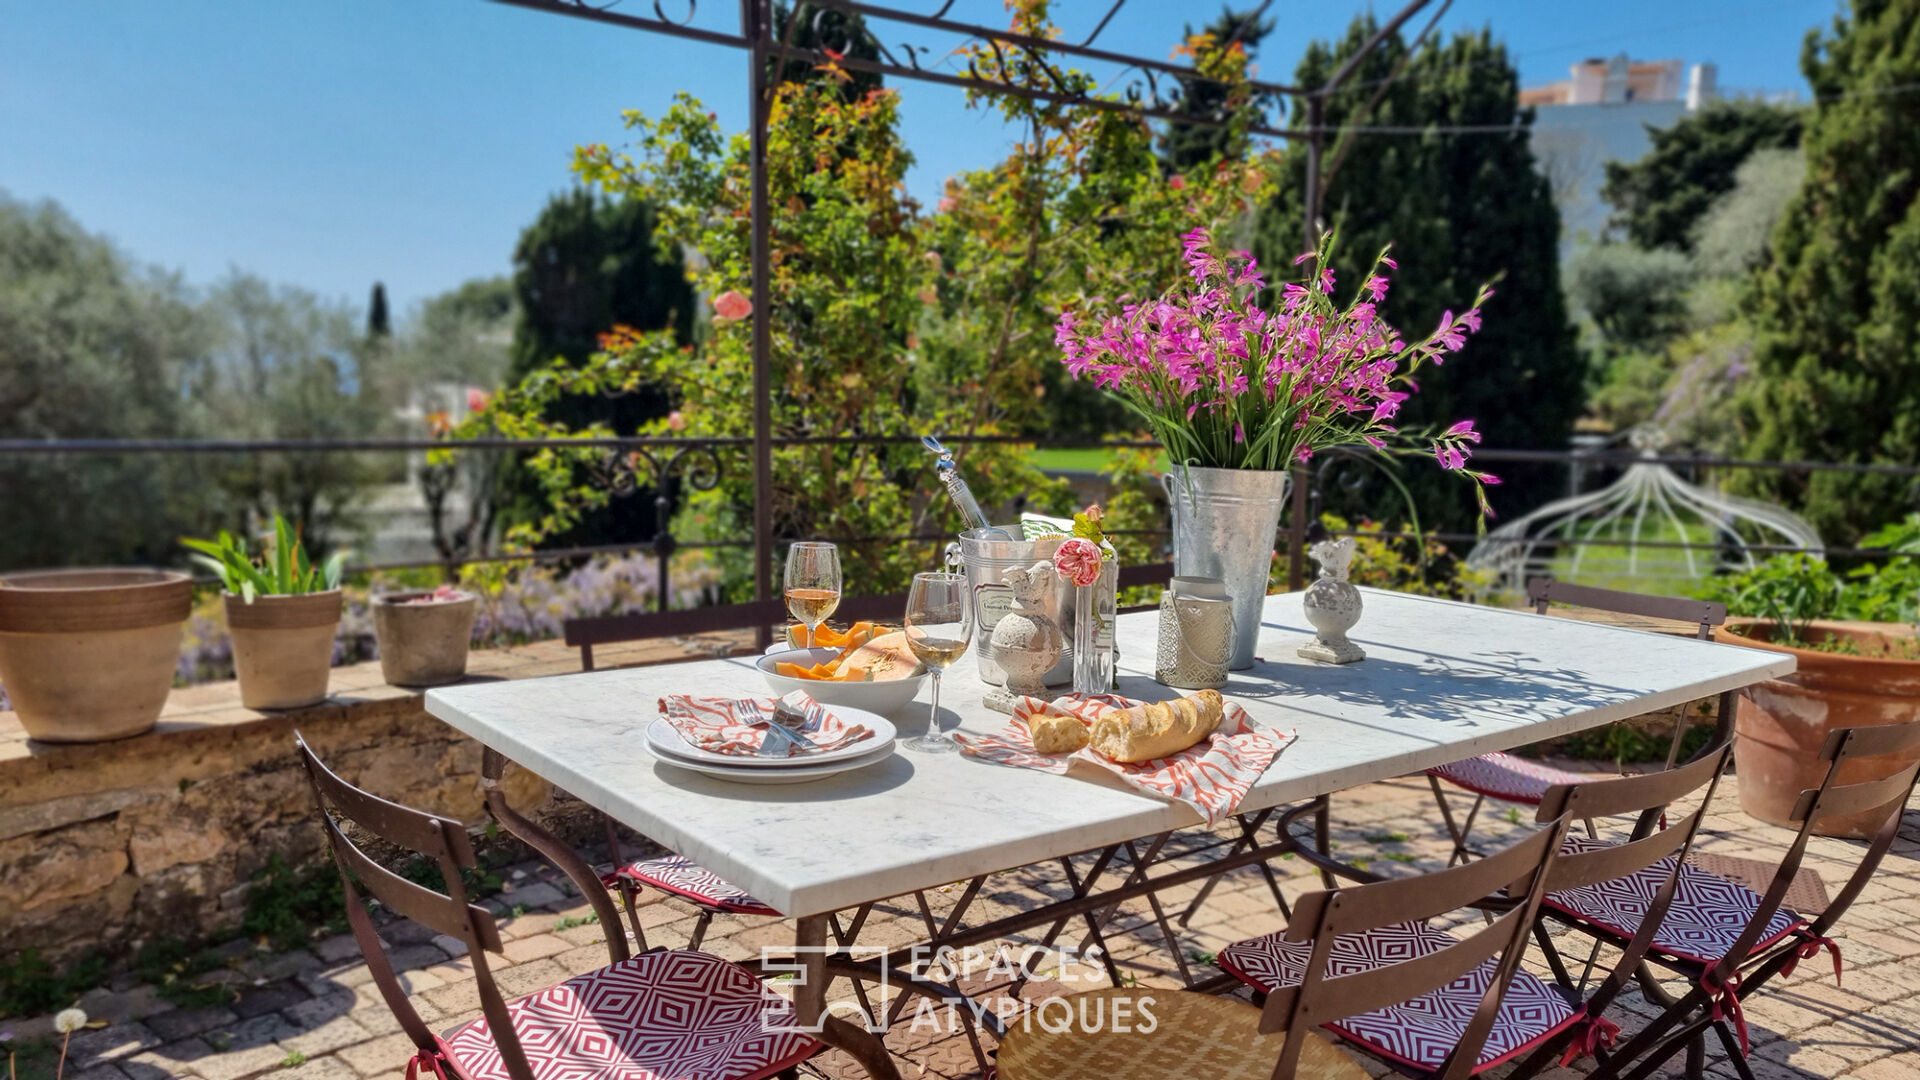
{"type": "Point", "coordinates": [110, 844]}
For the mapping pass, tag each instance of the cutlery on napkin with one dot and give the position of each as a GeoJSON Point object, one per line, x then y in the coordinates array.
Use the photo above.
{"type": "Point", "coordinates": [765, 727]}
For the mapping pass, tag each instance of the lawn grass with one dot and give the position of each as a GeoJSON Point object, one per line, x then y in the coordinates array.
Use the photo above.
{"type": "Point", "coordinates": [1079, 459]}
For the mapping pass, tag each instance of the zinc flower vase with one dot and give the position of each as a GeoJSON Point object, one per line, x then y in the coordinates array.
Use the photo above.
{"type": "Point", "coordinates": [1224, 524]}
{"type": "Point", "coordinates": [89, 655]}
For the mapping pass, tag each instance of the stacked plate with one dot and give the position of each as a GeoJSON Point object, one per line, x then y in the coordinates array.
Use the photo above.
{"type": "Point", "coordinates": [667, 746]}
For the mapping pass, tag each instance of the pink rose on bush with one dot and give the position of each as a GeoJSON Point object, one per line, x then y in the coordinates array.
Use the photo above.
{"type": "Point", "coordinates": [1078, 560]}
{"type": "Point", "coordinates": [732, 305]}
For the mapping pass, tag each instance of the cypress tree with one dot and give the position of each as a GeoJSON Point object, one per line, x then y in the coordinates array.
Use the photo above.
{"type": "Point", "coordinates": [584, 266]}
{"type": "Point", "coordinates": [1837, 307]}
{"type": "Point", "coordinates": [379, 323]}
{"type": "Point", "coordinates": [1460, 208]}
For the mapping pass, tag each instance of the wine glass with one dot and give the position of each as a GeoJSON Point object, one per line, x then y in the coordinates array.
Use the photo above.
{"type": "Point", "coordinates": [939, 624]}
{"type": "Point", "coordinates": [813, 583]}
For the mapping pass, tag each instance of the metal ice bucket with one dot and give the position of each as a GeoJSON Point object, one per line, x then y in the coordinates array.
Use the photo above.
{"type": "Point", "coordinates": [985, 559]}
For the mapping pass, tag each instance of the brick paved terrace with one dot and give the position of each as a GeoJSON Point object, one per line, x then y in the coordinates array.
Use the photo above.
{"type": "Point", "coordinates": [313, 1014]}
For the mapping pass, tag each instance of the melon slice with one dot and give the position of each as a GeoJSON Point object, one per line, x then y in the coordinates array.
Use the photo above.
{"type": "Point", "coordinates": [883, 659]}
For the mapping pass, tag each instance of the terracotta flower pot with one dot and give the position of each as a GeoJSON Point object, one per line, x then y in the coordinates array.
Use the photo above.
{"type": "Point", "coordinates": [89, 655]}
{"type": "Point", "coordinates": [283, 647]}
{"type": "Point", "coordinates": [1780, 724]}
{"type": "Point", "coordinates": [423, 644]}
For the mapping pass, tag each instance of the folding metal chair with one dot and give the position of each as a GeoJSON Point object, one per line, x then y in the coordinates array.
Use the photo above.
{"type": "Point", "coordinates": [1360, 961]}
{"type": "Point", "coordinates": [667, 1013]}
{"type": "Point", "coordinates": [1728, 940]}
{"type": "Point", "coordinates": [1511, 779]}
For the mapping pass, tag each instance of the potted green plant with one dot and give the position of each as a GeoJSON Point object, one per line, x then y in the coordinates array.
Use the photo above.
{"type": "Point", "coordinates": [424, 635]}
{"type": "Point", "coordinates": [281, 612]}
{"type": "Point", "coordinates": [1858, 663]}
{"type": "Point", "coordinates": [89, 655]}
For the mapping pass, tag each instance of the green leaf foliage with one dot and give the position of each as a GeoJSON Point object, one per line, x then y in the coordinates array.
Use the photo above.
{"type": "Point", "coordinates": [284, 570]}
{"type": "Point", "coordinates": [1660, 198]}
{"type": "Point", "coordinates": [1838, 306]}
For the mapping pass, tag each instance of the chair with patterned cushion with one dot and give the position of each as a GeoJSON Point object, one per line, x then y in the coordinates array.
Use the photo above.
{"type": "Point", "coordinates": [1725, 939]}
{"type": "Point", "coordinates": [1541, 1033]}
{"type": "Point", "coordinates": [1360, 961]}
{"type": "Point", "coordinates": [674, 1014]}
{"type": "Point", "coordinates": [675, 875]}
{"type": "Point", "coordinates": [1511, 779]}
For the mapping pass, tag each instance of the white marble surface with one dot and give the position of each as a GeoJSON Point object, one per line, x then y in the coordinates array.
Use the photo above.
{"type": "Point", "coordinates": [1441, 681]}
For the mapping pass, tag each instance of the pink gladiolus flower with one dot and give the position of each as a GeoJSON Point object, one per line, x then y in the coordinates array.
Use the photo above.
{"type": "Point", "coordinates": [1387, 261]}
{"type": "Point", "coordinates": [1489, 479]}
{"type": "Point", "coordinates": [1461, 430]}
{"type": "Point", "coordinates": [731, 305]}
{"type": "Point", "coordinates": [1305, 256]}
{"type": "Point", "coordinates": [477, 399]}
{"type": "Point", "coordinates": [1177, 182]}
{"type": "Point", "coordinates": [1377, 286]}
{"type": "Point", "coordinates": [1078, 560]}
{"type": "Point", "coordinates": [1449, 335]}
{"type": "Point", "coordinates": [1449, 457]}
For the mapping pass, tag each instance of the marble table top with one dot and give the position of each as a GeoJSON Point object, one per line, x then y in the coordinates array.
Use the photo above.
{"type": "Point", "coordinates": [1442, 681]}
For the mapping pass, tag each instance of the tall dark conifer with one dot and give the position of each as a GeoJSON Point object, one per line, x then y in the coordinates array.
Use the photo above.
{"type": "Point", "coordinates": [585, 266]}
{"type": "Point", "coordinates": [1838, 307]}
{"type": "Point", "coordinates": [1460, 207]}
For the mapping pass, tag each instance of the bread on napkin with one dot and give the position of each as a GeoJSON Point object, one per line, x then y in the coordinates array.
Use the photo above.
{"type": "Point", "coordinates": [1055, 733]}
{"type": "Point", "coordinates": [1159, 728]}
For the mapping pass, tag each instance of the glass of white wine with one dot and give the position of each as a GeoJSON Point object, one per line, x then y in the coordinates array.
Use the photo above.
{"type": "Point", "coordinates": [812, 583]}
{"type": "Point", "coordinates": [939, 625]}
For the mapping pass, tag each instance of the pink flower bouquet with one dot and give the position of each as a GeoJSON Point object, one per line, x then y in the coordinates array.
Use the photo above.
{"type": "Point", "coordinates": [1225, 383]}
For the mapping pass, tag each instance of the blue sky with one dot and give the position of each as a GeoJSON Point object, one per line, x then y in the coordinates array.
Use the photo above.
{"type": "Point", "coordinates": [330, 143]}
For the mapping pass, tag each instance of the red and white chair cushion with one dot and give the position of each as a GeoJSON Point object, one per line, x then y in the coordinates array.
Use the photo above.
{"type": "Point", "coordinates": [688, 880]}
{"type": "Point", "coordinates": [658, 1016]}
{"type": "Point", "coordinates": [1422, 1031]}
{"type": "Point", "coordinates": [1505, 777]}
{"type": "Point", "coordinates": [1704, 921]}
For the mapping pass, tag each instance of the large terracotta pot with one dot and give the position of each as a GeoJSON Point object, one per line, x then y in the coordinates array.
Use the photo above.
{"type": "Point", "coordinates": [423, 643]}
{"type": "Point", "coordinates": [1780, 724]}
{"type": "Point", "coordinates": [283, 647]}
{"type": "Point", "coordinates": [89, 655]}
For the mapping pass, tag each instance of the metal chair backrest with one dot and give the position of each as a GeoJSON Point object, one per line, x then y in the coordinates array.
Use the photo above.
{"type": "Point", "coordinates": [1706, 614]}
{"type": "Point", "coordinates": [1320, 917]}
{"type": "Point", "coordinates": [1833, 798]}
{"type": "Point", "coordinates": [1649, 797]}
{"type": "Point", "coordinates": [445, 843]}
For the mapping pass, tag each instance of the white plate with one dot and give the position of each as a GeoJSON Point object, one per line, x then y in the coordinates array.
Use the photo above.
{"type": "Point", "coordinates": [666, 743]}
{"type": "Point", "coordinates": [793, 774]}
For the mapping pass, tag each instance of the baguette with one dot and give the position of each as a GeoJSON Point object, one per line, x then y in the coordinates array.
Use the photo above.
{"type": "Point", "coordinates": [1158, 729]}
{"type": "Point", "coordinates": [1057, 734]}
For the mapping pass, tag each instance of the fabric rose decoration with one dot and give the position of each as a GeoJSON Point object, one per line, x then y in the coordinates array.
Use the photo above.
{"type": "Point", "coordinates": [1078, 560]}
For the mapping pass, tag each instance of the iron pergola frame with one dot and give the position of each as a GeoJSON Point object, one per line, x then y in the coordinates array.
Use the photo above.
{"type": "Point", "coordinates": [1143, 96]}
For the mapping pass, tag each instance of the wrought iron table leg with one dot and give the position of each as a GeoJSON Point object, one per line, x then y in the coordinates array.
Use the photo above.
{"type": "Point", "coordinates": [810, 1003]}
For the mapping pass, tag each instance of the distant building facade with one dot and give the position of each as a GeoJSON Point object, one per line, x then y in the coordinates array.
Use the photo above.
{"type": "Point", "coordinates": [1601, 113]}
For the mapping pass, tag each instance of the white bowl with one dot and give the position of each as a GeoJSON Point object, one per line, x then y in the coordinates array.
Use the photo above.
{"type": "Point", "coordinates": [884, 697]}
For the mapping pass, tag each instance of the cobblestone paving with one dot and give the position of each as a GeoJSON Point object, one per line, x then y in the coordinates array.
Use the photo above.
{"type": "Point", "coordinates": [315, 1015]}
